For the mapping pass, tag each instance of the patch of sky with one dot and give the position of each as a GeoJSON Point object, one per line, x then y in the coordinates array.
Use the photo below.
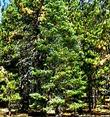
{"type": "Point", "coordinates": [3, 5]}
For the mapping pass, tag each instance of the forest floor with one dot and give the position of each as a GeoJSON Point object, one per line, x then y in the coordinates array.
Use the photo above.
{"type": "Point", "coordinates": [94, 113]}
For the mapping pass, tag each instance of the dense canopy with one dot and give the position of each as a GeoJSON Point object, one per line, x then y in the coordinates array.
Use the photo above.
{"type": "Point", "coordinates": [55, 54]}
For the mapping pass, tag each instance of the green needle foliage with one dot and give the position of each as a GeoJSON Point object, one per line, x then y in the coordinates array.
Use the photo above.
{"type": "Point", "coordinates": [55, 53]}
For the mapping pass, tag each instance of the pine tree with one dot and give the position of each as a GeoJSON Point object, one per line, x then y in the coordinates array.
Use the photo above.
{"type": "Point", "coordinates": [63, 81]}
{"type": "Point", "coordinates": [95, 45]}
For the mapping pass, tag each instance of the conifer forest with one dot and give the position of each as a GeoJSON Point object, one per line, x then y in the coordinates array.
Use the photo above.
{"type": "Point", "coordinates": [55, 57]}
